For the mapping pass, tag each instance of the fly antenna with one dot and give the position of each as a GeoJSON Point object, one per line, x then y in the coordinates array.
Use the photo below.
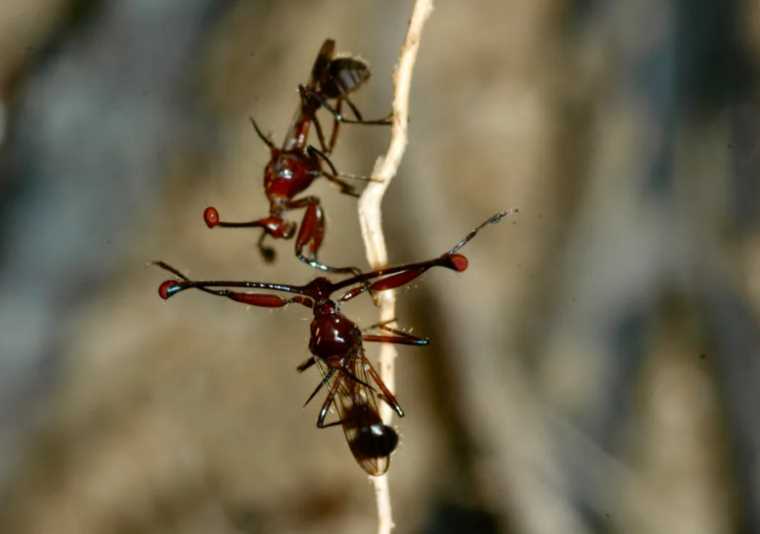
{"type": "Point", "coordinates": [493, 219]}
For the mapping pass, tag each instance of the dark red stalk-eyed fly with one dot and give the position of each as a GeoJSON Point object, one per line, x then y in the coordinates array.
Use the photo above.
{"type": "Point", "coordinates": [337, 344]}
{"type": "Point", "coordinates": [293, 167]}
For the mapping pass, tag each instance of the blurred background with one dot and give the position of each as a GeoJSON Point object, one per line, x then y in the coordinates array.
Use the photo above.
{"type": "Point", "coordinates": [595, 370]}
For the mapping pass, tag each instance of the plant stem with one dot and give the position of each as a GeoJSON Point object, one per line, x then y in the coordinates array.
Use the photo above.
{"type": "Point", "coordinates": [370, 220]}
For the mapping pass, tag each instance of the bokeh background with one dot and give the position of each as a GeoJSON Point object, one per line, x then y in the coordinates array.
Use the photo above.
{"type": "Point", "coordinates": [595, 370]}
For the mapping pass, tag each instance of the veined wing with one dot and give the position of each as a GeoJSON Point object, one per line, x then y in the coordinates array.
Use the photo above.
{"type": "Point", "coordinates": [371, 442]}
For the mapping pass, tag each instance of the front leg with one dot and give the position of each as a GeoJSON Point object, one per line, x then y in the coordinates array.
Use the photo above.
{"type": "Point", "coordinates": [268, 253]}
{"type": "Point", "coordinates": [311, 233]}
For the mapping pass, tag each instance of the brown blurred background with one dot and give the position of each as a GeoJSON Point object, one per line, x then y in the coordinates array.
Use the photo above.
{"type": "Point", "coordinates": [595, 370]}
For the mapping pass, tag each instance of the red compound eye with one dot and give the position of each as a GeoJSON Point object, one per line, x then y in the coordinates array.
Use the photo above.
{"type": "Point", "coordinates": [168, 288]}
{"type": "Point", "coordinates": [459, 262]}
{"type": "Point", "coordinates": [211, 216]}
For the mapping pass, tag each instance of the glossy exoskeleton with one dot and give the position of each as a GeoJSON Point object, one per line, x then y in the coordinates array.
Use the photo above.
{"type": "Point", "coordinates": [337, 344]}
{"type": "Point", "coordinates": [293, 167]}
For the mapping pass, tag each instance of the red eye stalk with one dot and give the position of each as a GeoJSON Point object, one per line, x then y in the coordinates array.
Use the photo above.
{"type": "Point", "coordinates": [256, 299]}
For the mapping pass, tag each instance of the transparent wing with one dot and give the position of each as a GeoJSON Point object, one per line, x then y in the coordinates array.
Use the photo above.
{"type": "Point", "coordinates": [356, 401]}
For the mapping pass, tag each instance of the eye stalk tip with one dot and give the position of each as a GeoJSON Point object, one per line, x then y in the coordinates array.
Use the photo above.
{"type": "Point", "coordinates": [459, 262]}
{"type": "Point", "coordinates": [168, 288]}
{"type": "Point", "coordinates": [211, 216]}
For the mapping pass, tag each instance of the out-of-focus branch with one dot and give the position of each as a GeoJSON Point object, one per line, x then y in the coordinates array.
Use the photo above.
{"type": "Point", "coordinates": [370, 219]}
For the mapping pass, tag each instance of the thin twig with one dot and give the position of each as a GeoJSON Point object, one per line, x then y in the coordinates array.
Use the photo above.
{"type": "Point", "coordinates": [370, 220]}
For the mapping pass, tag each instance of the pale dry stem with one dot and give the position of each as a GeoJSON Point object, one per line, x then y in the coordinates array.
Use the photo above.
{"type": "Point", "coordinates": [370, 220]}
